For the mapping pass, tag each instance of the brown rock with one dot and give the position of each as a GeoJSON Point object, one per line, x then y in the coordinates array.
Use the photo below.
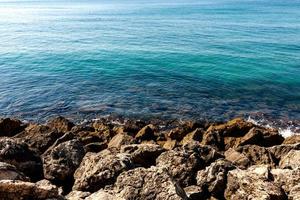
{"type": "Point", "coordinates": [20, 190]}
{"type": "Point", "coordinates": [103, 195]}
{"type": "Point", "coordinates": [247, 155]}
{"type": "Point", "coordinates": [60, 124]}
{"type": "Point", "coordinates": [77, 195]}
{"type": "Point", "coordinates": [194, 192]}
{"type": "Point", "coordinates": [170, 144]}
{"type": "Point", "coordinates": [294, 139]}
{"type": "Point", "coordinates": [253, 183]}
{"type": "Point", "coordinates": [148, 184]}
{"type": "Point", "coordinates": [286, 178]}
{"type": "Point", "coordinates": [280, 151]}
{"type": "Point", "coordinates": [10, 127]}
{"type": "Point", "coordinates": [146, 133]}
{"type": "Point", "coordinates": [291, 160]}
{"type": "Point", "coordinates": [95, 147]}
{"type": "Point", "coordinates": [100, 169]}
{"type": "Point", "coordinates": [143, 154]}
{"type": "Point", "coordinates": [193, 136]}
{"type": "Point", "coordinates": [10, 172]}
{"type": "Point", "coordinates": [212, 180]}
{"type": "Point", "coordinates": [213, 138]}
{"type": "Point", "coordinates": [24, 159]}
{"type": "Point", "coordinates": [295, 193]}
{"type": "Point", "coordinates": [61, 162]}
{"type": "Point", "coordinates": [120, 139]}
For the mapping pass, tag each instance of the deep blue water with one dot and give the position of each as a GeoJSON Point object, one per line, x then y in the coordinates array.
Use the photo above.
{"type": "Point", "coordinates": [175, 59]}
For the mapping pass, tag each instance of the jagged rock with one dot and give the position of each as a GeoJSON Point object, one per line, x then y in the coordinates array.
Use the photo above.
{"type": "Point", "coordinates": [193, 136]}
{"type": "Point", "coordinates": [77, 195]}
{"type": "Point", "coordinates": [120, 139]}
{"type": "Point", "coordinates": [61, 124]}
{"type": "Point", "coordinates": [247, 155]}
{"type": "Point", "coordinates": [194, 192]}
{"type": "Point", "coordinates": [212, 180]}
{"type": "Point", "coordinates": [184, 162]}
{"type": "Point", "coordinates": [170, 144]}
{"type": "Point", "coordinates": [146, 133]}
{"type": "Point", "coordinates": [286, 178]}
{"type": "Point", "coordinates": [61, 162]}
{"type": "Point", "coordinates": [39, 137]}
{"type": "Point", "coordinates": [280, 151]}
{"type": "Point", "coordinates": [256, 136]}
{"type": "Point", "coordinates": [10, 127]}
{"type": "Point", "coordinates": [100, 169]}
{"type": "Point", "coordinates": [295, 193]}
{"type": "Point", "coordinates": [294, 139]}
{"type": "Point", "coordinates": [148, 184]}
{"type": "Point", "coordinates": [143, 154]}
{"type": "Point", "coordinates": [20, 190]}
{"type": "Point", "coordinates": [253, 183]}
{"type": "Point", "coordinates": [290, 160]}
{"type": "Point", "coordinates": [213, 138]}
{"type": "Point", "coordinates": [24, 159]}
{"type": "Point", "coordinates": [95, 147]}
{"type": "Point", "coordinates": [103, 195]}
{"type": "Point", "coordinates": [10, 172]}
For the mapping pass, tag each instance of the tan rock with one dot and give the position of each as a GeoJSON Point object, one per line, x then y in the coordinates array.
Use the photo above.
{"type": "Point", "coordinates": [146, 133]}
{"type": "Point", "coordinates": [195, 135]}
{"type": "Point", "coordinates": [294, 139]}
{"type": "Point", "coordinates": [77, 195]}
{"type": "Point", "coordinates": [170, 144]}
{"type": "Point", "coordinates": [61, 124]}
{"type": "Point", "coordinates": [120, 139]}
{"type": "Point", "coordinates": [291, 160]}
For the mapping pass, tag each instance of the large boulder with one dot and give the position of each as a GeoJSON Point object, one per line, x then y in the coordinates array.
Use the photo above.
{"type": "Point", "coordinates": [20, 155]}
{"type": "Point", "coordinates": [146, 133]}
{"type": "Point", "coordinates": [253, 183]}
{"type": "Point", "coordinates": [184, 162]}
{"type": "Point", "coordinates": [61, 161]}
{"type": "Point", "coordinates": [100, 169]}
{"type": "Point", "coordinates": [248, 155]}
{"type": "Point", "coordinates": [286, 178]}
{"type": "Point", "coordinates": [61, 124]}
{"type": "Point", "coordinates": [148, 184]}
{"type": "Point", "coordinates": [279, 151]}
{"type": "Point", "coordinates": [120, 139]}
{"type": "Point", "coordinates": [20, 190]}
{"type": "Point", "coordinates": [10, 127]}
{"type": "Point", "coordinates": [193, 136]}
{"type": "Point", "coordinates": [143, 155]}
{"type": "Point", "coordinates": [290, 160]}
{"type": "Point", "coordinates": [10, 172]}
{"type": "Point", "coordinates": [39, 137]}
{"type": "Point", "coordinates": [213, 179]}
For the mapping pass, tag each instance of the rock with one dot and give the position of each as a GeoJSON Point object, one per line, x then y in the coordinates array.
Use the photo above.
{"type": "Point", "coordinates": [61, 162]}
{"type": "Point", "coordinates": [280, 151]}
{"type": "Point", "coordinates": [100, 169]}
{"type": "Point", "coordinates": [10, 127]}
{"type": "Point", "coordinates": [248, 155]}
{"type": "Point", "coordinates": [286, 178]}
{"type": "Point", "coordinates": [178, 133]}
{"type": "Point", "coordinates": [256, 136]}
{"type": "Point", "coordinates": [103, 195]}
{"type": "Point", "coordinates": [212, 180]}
{"type": "Point", "coordinates": [61, 124]}
{"type": "Point", "coordinates": [148, 184]}
{"type": "Point", "coordinates": [194, 192]}
{"type": "Point", "coordinates": [95, 147]}
{"type": "Point", "coordinates": [120, 139]}
{"type": "Point", "coordinates": [253, 183]}
{"type": "Point", "coordinates": [193, 136]}
{"type": "Point", "coordinates": [291, 160]}
{"type": "Point", "coordinates": [295, 193]}
{"type": "Point", "coordinates": [77, 195]}
{"type": "Point", "coordinates": [170, 144]}
{"type": "Point", "coordinates": [20, 190]}
{"type": "Point", "coordinates": [39, 137]}
{"type": "Point", "coordinates": [294, 139]}
{"type": "Point", "coordinates": [23, 158]}
{"type": "Point", "coordinates": [146, 133]}
{"type": "Point", "coordinates": [10, 172]}
{"type": "Point", "coordinates": [213, 138]}
{"type": "Point", "coordinates": [143, 154]}
{"type": "Point", "coordinates": [184, 162]}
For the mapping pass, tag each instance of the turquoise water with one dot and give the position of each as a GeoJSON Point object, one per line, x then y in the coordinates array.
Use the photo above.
{"type": "Point", "coordinates": [173, 59]}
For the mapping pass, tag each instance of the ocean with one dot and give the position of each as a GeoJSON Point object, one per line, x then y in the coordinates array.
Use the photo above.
{"type": "Point", "coordinates": [150, 59]}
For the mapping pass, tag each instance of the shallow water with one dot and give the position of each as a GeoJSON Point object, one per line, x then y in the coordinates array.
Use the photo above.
{"type": "Point", "coordinates": [171, 59]}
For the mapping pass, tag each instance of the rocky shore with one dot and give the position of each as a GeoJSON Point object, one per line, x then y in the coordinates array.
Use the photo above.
{"type": "Point", "coordinates": [132, 159]}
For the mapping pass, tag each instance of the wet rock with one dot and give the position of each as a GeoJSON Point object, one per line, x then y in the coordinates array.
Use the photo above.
{"type": "Point", "coordinates": [184, 162]}
{"type": "Point", "coordinates": [24, 159]}
{"type": "Point", "coordinates": [212, 180]}
{"type": "Point", "coordinates": [61, 162]}
{"type": "Point", "coordinates": [120, 139]}
{"type": "Point", "coordinates": [248, 155]}
{"type": "Point", "coordinates": [39, 137]}
{"type": "Point", "coordinates": [77, 195]}
{"type": "Point", "coordinates": [16, 190]}
{"type": "Point", "coordinates": [100, 169]}
{"type": "Point", "coordinates": [146, 133]}
{"type": "Point", "coordinates": [143, 154]}
{"type": "Point", "coordinates": [60, 124]}
{"type": "Point", "coordinates": [148, 184]}
{"type": "Point", "coordinates": [253, 183]}
{"type": "Point", "coordinates": [290, 160]}
{"type": "Point", "coordinates": [294, 139]}
{"type": "Point", "coordinates": [193, 136]}
{"type": "Point", "coordinates": [10, 172]}
{"type": "Point", "coordinates": [10, 127]}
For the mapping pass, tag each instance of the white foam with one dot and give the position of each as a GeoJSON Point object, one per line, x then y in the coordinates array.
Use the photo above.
{"type": "Point", "coordinates": [286, 132]}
